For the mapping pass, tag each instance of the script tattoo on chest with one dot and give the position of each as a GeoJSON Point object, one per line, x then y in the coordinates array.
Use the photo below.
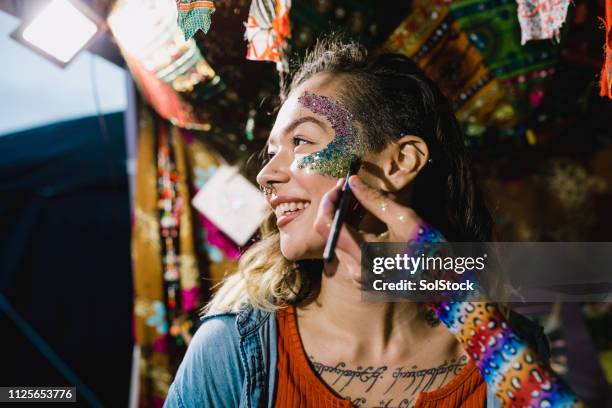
{"type": "Point", "coordinates": [412, 380]}
{"type": "Point", "coordinates": [366, 375]}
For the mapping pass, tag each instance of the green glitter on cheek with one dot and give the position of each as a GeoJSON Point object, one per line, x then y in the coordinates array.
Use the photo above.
{"type": "Point", "coordinates": [335, 159]}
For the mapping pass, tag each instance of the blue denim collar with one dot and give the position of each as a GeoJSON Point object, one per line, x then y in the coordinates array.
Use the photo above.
{"type": "Point", "coordinates": [250, 319]}
{"type": "Point", "coordinates": [257, 341]}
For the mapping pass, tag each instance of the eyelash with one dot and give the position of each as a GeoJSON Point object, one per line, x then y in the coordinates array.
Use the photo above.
{"type": "Point", "coordinates": [295, 139]}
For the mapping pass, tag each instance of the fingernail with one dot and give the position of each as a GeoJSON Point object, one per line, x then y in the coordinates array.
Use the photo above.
{"type": "Point", "coordinates": [354, 182]}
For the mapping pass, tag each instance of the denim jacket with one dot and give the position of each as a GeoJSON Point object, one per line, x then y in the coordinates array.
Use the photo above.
{"type": "Point", "coordinates": [231, 362]}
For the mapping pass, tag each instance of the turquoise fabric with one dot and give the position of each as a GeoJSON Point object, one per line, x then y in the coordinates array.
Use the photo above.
{"type": "Point", "coordinates": [198, 18]}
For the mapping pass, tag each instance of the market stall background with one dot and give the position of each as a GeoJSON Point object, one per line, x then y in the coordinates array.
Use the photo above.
{"type": "Point", "coordinates": [532, 114]}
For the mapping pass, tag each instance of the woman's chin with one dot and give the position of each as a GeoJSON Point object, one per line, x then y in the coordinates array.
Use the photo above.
{"type": "Point", "coordinates": [300, 251]}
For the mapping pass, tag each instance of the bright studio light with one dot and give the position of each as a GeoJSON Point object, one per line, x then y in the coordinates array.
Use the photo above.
{"type": "Point", "coordinates": [60, 30]}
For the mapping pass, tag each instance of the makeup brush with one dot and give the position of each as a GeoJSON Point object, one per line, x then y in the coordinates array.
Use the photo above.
{"type": "Point", "coordinates": [346, 201]}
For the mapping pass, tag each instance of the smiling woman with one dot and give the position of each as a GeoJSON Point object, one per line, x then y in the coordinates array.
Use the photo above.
{"type": "Point", "coordinates": [287, 330]}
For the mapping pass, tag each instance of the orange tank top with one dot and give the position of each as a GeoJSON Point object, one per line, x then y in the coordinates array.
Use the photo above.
{"type": "Point", "coordinates": [298, 386]}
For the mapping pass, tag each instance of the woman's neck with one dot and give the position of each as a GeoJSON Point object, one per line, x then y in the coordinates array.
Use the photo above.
{"type": "Point", "coordinates": [369, 327]}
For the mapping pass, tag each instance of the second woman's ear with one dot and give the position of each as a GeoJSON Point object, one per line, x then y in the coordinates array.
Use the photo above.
{"type": "Point", "coordinates": [404, 159]}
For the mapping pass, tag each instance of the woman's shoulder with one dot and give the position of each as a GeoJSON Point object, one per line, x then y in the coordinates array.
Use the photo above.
{"type": "Point", "coordinates": [214, 354]}
{"type": "Point", "coordinates": [234, 323]}
{"type": "Point", "coordinates": [219, 334]}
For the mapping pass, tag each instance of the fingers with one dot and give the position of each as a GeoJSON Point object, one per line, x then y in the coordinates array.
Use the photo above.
{"type": "Point", "coordinates": [400, 220]}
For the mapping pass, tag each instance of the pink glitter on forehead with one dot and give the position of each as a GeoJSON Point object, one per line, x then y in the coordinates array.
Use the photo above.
{"type": "Point", "coordinates": [340, 118]}
{"type": "Point", "coordinates": [334, 159]}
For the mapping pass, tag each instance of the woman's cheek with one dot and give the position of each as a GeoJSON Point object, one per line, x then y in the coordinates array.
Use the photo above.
{"type": "Point", "coordinates": [315, 185]}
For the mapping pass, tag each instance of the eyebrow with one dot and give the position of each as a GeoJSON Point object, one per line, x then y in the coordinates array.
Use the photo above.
{"type": "Point", "coordinates": [304, 119]}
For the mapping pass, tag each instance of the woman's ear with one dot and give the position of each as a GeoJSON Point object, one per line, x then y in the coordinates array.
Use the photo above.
{"type": "Point", "coordinates": [405, 159]}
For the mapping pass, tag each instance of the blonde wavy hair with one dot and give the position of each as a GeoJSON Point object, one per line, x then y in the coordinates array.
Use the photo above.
{"type": "Point", "coordinates": [264, 278]}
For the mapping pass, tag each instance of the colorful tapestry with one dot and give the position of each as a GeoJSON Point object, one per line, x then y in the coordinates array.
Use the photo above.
{"type": "Point", "coordinates": [267, 31]}
{"type": "Point", "coordinates": [150, 320]}
{"type": "Point", "coordinates": [431, 37]}
{"type": "Point", "coordinates": [194, 15]}
{"type": "Point", "coordinates": [523, 71]}
{"type": "Point", "coordinates": [541, 19]}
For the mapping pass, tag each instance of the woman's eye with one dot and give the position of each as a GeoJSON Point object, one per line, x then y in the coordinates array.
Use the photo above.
{"type": "Point", "coordinates": [298, 141]}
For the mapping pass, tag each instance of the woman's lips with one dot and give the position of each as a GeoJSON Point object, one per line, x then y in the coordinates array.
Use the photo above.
{"type": "Point", "coordinates": [286, 218]}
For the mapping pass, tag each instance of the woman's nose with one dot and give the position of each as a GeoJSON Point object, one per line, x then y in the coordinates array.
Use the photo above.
{"type": "Point", "coordinates": [274, 172]}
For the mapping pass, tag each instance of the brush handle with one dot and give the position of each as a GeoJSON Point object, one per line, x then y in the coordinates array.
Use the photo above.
{"type": "Point", "coordinates": [343, 207]}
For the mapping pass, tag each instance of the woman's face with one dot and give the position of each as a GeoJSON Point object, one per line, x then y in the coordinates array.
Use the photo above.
{"type": "Point", "coordinates": [309, 120]}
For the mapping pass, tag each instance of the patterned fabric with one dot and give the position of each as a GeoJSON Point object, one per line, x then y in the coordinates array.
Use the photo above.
{"type": "Point", "coordinates": [436, 42]}
{"type": "Point", "coordinates": [507, 363]}
{"type": "Point", "coordinates": [605, 80]}
{"type": "Point", "coordinates": [194, 15]}
{"type": "Point", "coordinates": [221, 250]}
{"type": "Point", "coordinates": [267, 31]}
{"type": "Point", "coordinates": [167, 277]}
{"type": "Point", "coordinates": [523, 71]}
{"type": "Point", "coordinates": [494, 30]}
{"type": "Point", "coordinates": [541, 19]}
{"type": "Point", "coordinates": [150, 321]}
{"type": "Point", "coordinates": [165, 67]}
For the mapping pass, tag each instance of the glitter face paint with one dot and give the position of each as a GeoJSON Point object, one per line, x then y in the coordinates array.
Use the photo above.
{"type": "Point", "coordinates": [335, 159]}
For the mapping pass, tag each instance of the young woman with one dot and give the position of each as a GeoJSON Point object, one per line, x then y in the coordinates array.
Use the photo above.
{"type": "Point", "coordinates": [287, 330]}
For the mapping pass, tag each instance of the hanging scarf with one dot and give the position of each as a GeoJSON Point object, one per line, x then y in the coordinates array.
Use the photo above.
{"type": "Point", "coordinates": [194, 15]}
{"type": "Point", "coordinates": [541, 19]}
{"type": "Point", "coordinates": [267, 31]}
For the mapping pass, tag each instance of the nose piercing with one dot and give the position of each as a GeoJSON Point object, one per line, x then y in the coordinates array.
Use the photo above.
{"type": "Point", "coordinates": [267, 189]}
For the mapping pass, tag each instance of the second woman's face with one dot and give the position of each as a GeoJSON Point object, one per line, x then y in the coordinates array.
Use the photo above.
{"type": "Point", "coordinates": [303, 127]}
